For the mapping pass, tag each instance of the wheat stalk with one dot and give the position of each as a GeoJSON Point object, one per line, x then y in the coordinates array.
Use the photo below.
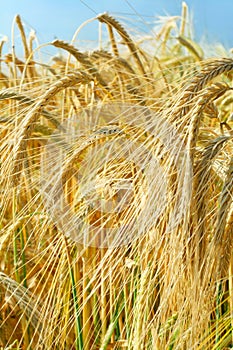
{"type": "Point", "coordinates": [8, 94]}
{"type": "Point", "coordinates": [27, 302]}
{"type": "Point", "coordinates": [105, 18]}
{"type": "Point", "coordinates": [31, 67]}
{"type": "Point", "coordinates": [226, 248]}
{"type": "Point", "coordinates": [82, 58]}
{"type": "Point", "coordinates": [210, 70]}
{"type": "Point", "coordinates": [211, 93]}
{"type": "Point", "coordinates": [222, 237]}
{"type": "Point", "coordinates": [27, 124]}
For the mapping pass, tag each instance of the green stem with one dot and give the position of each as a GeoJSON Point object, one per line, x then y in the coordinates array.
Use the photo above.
{"type": "Point", "coordinates": [79, 340]}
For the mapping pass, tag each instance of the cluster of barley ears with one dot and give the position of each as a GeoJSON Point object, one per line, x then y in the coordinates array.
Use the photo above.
{"type": "Point", "coordinates": [116, 194]}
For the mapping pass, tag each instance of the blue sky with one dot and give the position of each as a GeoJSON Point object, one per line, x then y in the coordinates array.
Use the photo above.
{"type": "Point", "coordinates": [53, 18]}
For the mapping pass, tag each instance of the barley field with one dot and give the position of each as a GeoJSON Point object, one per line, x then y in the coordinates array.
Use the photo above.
{"type": "Point", "coordinates": [116, 192]}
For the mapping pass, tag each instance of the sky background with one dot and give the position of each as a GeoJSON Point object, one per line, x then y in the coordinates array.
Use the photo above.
{"type": "Point", "coordinates": [59, 19]}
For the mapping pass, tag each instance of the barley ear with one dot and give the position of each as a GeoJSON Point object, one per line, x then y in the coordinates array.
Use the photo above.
{"type": "Point", "coordinates": [105, 18]}
{"type": "Point", "coordinates": [30, 118]}
{"type": "Point", "coordinates": [81, 57]}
